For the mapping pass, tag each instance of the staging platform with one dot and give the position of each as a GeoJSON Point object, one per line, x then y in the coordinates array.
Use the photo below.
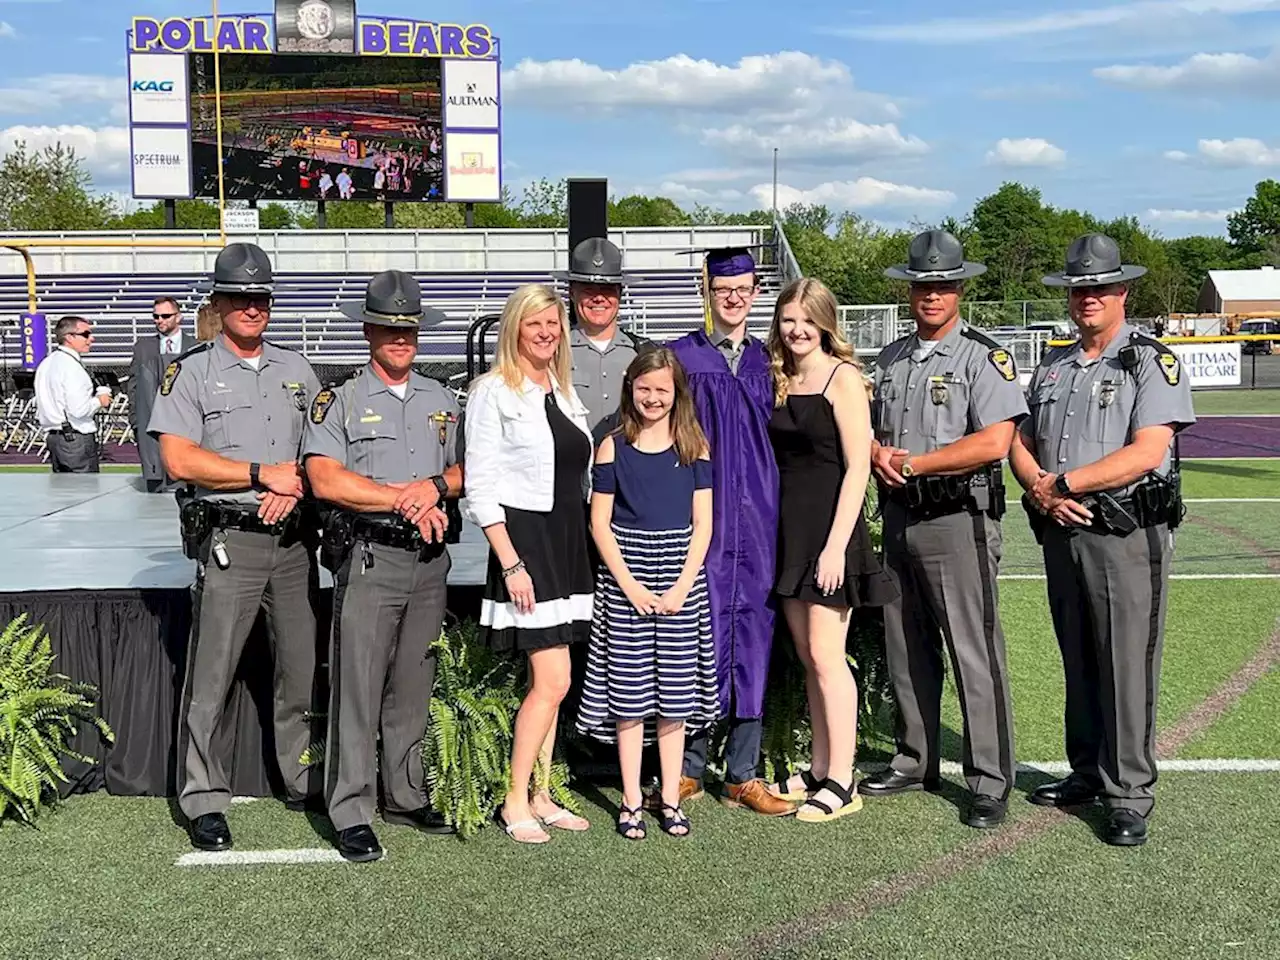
{"type": "Point", "coordinates": [105, 532]}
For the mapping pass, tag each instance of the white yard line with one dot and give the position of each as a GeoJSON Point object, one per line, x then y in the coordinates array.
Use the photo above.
{"type": "Point", "coordinates": [239, 858]}
{"type": "Point", "coordinates": [1232, 500]}
{"type": "Point", "coordinates": [950, 768]}
{"type": "Point", "coordinates": [1172, 576]}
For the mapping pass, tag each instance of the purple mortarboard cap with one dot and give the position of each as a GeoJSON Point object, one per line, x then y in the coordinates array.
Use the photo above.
{"type": "Point", "coordinates": [730, 262]}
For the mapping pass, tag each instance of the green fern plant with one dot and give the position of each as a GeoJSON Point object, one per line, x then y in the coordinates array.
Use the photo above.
{"type": "Point", "coordinates": [39, 712]}
{"type": "Point", "coordinates": [467, 750]}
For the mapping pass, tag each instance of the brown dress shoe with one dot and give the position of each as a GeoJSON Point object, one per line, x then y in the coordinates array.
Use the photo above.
{"type": "Point", "coordinates": [690, 789]}
{"type": "Point", "coordinates": [754, 795]}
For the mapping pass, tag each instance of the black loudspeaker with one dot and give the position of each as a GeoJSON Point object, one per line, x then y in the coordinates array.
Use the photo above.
{"type": "Point", "coordinates": [588, 210]}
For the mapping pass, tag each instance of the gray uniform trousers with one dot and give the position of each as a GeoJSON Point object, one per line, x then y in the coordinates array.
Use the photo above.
{"type": "Point", "coordinates": [1107, 595]}
{"type": "Point", "coordinates": [282, 576]}
{"type": "Point", "coordinates": [380, 675]}
{"type": "Point", "coordinates": [946, 571]}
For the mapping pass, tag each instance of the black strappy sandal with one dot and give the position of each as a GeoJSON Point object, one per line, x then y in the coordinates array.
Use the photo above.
{"type": "Point", "coordinates": [678, 819]}
{"type": "Point", "coordinates": [816, 811]}
{"type": "Point", "coordinates": [624, 828]}
{"type": "Point", "coordinates": [811, 786]}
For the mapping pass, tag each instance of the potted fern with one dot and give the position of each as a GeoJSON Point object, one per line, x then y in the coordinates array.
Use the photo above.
{"type": "Point", "coordinates": [39, 712]}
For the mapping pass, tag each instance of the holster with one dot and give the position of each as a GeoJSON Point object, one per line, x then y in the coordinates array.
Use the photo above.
{"type": "Point", "coordinates": [927, 498]}
{"type": "Point", "coordinates": [337, 537]}
{"type": "Point", "coordinates": [194, 524]}
{"type": "Point", "coordinates": [1159, 500]}
{"type": "Point", "coordinates": [1036, 520]}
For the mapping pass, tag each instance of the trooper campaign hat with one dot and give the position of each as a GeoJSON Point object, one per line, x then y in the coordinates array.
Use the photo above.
{"type": "Point", "coordinates": [242, 268]}
{"type": "Point", "coordinates": [595, 260]}
{"type": "Point", "coordinates": [935, 256]}
{"type": "Point", "coordinates": [392, 298]}
{"type": "Point", "coordinates": [1093, 260]}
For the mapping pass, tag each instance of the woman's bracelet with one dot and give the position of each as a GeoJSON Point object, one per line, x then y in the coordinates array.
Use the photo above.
{"type": "Point", "coordinates": [512, 570]}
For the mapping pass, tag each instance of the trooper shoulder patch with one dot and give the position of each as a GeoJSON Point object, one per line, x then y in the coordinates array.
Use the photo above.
{"type": "Point", "coordinates": [1170, 367]}
{"type": "Point", "coordinates": [170, 376]}
{"type": "Point", "coordinates": [320, 406]}
{"type": "Point", "coordinates": [1003, 363]}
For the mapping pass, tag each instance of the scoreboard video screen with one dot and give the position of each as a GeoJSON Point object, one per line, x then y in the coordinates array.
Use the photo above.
{"type": "Point", "coordinates": [318, 127]}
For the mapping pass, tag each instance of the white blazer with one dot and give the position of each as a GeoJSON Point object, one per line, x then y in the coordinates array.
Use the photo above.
{"type": "Point", "coordinates": [510, 456]}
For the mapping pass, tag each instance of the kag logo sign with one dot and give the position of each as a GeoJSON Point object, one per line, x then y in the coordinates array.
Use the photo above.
{"type": "Point", "coordinates": [157, 88]}
{"type": "Point", "coordinates": [153, 86]}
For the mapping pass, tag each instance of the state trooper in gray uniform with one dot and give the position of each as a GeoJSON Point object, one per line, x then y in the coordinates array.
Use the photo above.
{"type": "Point", "coordinates": [947, 401]}
{"type": "Point", "coordinates": [229, 416]}
{"type": "Point", "coordinates": [381, 451]}
{"type": "Point", "coordinates": [600, 350]}
{"type": "Point", "coordinates": [1103, 497]}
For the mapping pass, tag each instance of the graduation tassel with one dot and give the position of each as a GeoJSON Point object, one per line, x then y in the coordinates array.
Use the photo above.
{"type": "Point", "coordinates": [706, 297]}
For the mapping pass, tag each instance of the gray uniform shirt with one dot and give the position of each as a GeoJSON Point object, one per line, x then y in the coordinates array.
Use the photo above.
{"type": "Point", "coordinates": [733, 352]}
{"type": "Point", "coordinates": [372, 432]}
{"type": "Point", "coordinates": [219, 401]}
{"type": "Point", "coordinates": [598, 374]}
{"type": "Point", "coordinates": [1082, 410]}
{"type": "Point", "coordinates": [924, 402]}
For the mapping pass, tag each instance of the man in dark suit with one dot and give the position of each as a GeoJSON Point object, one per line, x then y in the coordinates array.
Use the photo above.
{"type": "Point", "coordinates": [151, 354]}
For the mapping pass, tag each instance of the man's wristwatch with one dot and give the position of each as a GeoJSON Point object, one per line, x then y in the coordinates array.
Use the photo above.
{"type": "Point", "coordinates": [906, 470]}
{"type": "Point", "coordinates": [255, 480]}
{"type": "Point", "coordinates": [442, 485]}
{"type": "Point", "coordinates": [1060, 486]}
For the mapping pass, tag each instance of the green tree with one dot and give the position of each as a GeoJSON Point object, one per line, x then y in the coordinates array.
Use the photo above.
{"type": "Point", "coordinates": [1013, 233]}
{"type": "Point", "coordinates": [642, 211]}
{"type": "Point", "coordinates": [1255, 230]}
{"type": "Point", "coordinates": [49, 190]}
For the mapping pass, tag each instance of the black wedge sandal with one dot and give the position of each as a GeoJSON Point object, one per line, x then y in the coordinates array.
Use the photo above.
{"type": "Point", "coordinates": [624, 827]}
{"type": "Point", "coordinates": [678, 818]}
{"type": "Point", "coordinates": [816, 811]}
{"type": "Point", "coordinates": [811, 786]}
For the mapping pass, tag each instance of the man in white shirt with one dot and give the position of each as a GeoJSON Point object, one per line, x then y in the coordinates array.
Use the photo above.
{"type": "Point", "coordinates": [66, 402]}
{"type": "Point", "coordinates": [151, 354]}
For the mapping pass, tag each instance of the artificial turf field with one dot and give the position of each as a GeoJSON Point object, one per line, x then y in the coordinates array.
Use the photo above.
{"type": "Point", "coordinates": [902, 878]}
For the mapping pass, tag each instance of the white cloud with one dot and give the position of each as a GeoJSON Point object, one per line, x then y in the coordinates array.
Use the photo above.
{"type": "Point", "coordinates": [1177, 156]}
{"type": "Point", "coordinates": [959, 30]}
{"type": "Point", "coordinates": [6, 29]}
{"type": "Point", "coordinates": [855, 194]}
{"type": "Point", "coordinates": [1240, 152]}
{"type": "Point", "coordinates": [776, 85]}
{"type": "Point", "coordinates": [1203, 74]}
{"type": "Point", "coordinates": [1026, 152]}
{"type": "Point", "coordinates": [104, 150]}
{"type": "Point", "coordinates": [832, 139]}
{"type": "Point", "coordinates": [52, 92]}
{"type": "Point", "coordinates": [1189, 216]}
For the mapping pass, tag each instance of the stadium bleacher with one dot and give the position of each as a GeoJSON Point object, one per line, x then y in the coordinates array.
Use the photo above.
{"type": "Point", "coordinates": [660, 304]}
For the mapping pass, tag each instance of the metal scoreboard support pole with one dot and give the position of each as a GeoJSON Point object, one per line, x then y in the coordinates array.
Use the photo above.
{"type": "Point", "coordinates": [217, 112]}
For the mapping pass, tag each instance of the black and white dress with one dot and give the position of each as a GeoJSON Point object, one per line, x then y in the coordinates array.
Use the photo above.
{"type": "Point", "coordinates": [644, 667]}
{"type": "Point", "coordinates": [553, 546]}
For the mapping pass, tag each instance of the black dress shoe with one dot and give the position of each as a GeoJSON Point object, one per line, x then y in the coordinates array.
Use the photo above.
{"type": "Point", "coordinates": [985, 812]}
{"type": "Point", "coordinates": [1071, 792]}
{"type": "Point", "coordinates": [359, 844]}
{"type": "Point", "coordinates": [424, 819]}
{"type": "Point", "coordinates": [1125, 828]}
{"type": "Point", "coordinates": [889, 782]}
{"type": "Point", "coordinates": [210, 832]}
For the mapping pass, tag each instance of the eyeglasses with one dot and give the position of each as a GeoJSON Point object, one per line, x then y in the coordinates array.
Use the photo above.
{"type": "Point", "coordinates": [245, 302]}
{"type": "Point", "coordinates": [724, 293]}
{"type": "Point", "coordinates": [81, 333]}
{"type": "Point", "coordinates": [163, 316]}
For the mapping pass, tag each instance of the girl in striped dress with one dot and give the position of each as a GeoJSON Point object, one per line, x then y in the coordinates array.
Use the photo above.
{"type": "Point", "coordinates": [651, 664]}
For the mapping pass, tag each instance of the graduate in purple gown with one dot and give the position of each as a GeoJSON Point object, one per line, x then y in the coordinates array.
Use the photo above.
{"type": "Point", "coordinates": [733, 391]}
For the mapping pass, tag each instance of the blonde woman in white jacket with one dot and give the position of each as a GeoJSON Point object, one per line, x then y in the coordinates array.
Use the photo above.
{"type": "Point", "coordinates": [528, 477]}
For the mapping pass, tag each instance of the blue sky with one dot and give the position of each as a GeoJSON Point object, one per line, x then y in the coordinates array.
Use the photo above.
{"type": "Point", "coordinates": [1164, 109]}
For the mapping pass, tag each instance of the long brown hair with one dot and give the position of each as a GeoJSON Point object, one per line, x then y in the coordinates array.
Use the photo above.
{"type": "Point", "coordinates": [819, 305]}
{"type": "Point", "coordinates": [686, 433]}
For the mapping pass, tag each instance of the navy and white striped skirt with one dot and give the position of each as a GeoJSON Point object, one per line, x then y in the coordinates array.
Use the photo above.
{"type": "Point", "coordinates": [646, 667]}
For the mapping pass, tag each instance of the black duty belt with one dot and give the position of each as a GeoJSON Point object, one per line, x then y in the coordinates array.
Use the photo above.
{"type": "Point", "coordinates": [1156, 501]}
{"type": "Point", "coordinates": [228, 516]}
{"type": "Point", "coordinates": [924, 498]}
{"type": "Point", "coordinates": [388, 533]}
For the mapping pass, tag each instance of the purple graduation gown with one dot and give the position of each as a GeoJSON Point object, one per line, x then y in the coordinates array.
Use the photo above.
{"type": "Point", "coordinates": [734, 412]}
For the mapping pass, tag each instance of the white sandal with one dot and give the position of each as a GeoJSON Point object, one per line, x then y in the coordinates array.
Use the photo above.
{"type": "Point", "coordinates": [561, 814]}
{"type": "Point", "coordinates": [511, 828]}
